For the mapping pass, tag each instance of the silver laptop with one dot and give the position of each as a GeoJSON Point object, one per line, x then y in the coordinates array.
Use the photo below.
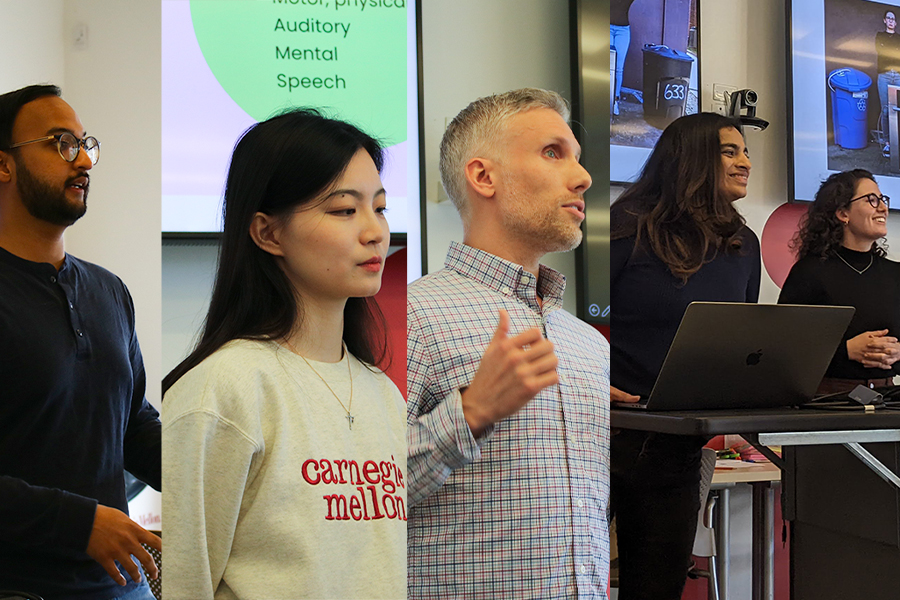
{"type": "Point", "coordinates": [730, 355]}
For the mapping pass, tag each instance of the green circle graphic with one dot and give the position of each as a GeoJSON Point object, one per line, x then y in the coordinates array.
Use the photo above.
{"type": "Point", "coordinates": [345, 56]}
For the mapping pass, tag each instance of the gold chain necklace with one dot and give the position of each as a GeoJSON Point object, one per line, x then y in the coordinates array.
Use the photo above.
{"type": "Point", "coordinates": [871, 260]}
{"type": "Point", "coordinates": [349, 417]}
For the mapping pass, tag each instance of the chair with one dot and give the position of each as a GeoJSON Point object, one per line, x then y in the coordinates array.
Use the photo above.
{"type": "Point", "coordinates": [705, 538]}
{"type": "Point", "coordinates": [155, 584]}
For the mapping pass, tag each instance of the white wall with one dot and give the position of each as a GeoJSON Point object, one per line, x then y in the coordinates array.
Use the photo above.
{"type": "Point", "coordinates": [113, 83]}
{"type": "Point", "coordinates": [32, 33]}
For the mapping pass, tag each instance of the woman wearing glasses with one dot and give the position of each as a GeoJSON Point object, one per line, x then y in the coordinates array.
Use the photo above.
{"type": "Point", "coordinates": [283, 445]}
{"type": "Point", "coordinates": [841, 262]}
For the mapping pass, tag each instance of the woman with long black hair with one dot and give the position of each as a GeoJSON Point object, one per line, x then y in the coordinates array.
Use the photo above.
{"type": "Point", "coordinates": [676, 238]}
{"type": "Point", "coordinates": [283, 444]}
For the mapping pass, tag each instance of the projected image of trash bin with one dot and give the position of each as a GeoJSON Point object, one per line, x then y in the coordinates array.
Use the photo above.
{"type": "Point", "coordinates": [849, 103]}
{"type": "Point", "coordinates": [667, 74]}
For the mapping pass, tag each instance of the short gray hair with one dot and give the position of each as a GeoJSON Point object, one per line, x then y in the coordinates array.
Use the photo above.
{"type": "Point", "coordinates": [478, 125]}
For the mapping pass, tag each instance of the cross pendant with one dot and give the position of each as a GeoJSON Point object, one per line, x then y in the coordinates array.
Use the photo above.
{"type": "Point", "coordinates": [350, 420]}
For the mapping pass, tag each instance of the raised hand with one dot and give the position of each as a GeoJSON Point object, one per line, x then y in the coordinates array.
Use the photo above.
{"type": "Point", "coordinates": [512, 371]}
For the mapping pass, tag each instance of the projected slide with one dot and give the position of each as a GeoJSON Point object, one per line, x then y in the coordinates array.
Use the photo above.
{"type": "Point", "coordinates": [227, 65]}
{"type": "Point", "coordinates": [845, 80]}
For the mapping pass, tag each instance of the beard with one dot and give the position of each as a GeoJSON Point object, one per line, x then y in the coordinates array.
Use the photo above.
{"type": "Point", "coordinates": [44, 202]}
{"type": "Point", "coordinates": [543, 224]}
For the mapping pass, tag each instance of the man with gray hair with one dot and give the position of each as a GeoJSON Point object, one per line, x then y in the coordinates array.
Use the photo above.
{"type": "Point", "coordinates": [508, 409]}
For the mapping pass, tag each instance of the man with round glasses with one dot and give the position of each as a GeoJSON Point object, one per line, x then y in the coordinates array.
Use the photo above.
{"type": "Point", "coordinates": [72, 410]}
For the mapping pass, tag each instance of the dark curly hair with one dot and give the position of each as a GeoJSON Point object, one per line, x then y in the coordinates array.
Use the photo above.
{"type": "Point", "coordinates": [821, 232]}
{"type": "Point", "coordinates": [675, 206]}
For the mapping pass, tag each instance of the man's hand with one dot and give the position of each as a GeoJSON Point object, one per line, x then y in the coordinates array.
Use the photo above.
{"type": "Point", "coordinates": [115, 537]}
{"type": "Point", "coordinates": [617, 395]}
{"type": "Point", "coordinates": [874, 349]}
{"type": "Point", "coordinates": [512, 371]}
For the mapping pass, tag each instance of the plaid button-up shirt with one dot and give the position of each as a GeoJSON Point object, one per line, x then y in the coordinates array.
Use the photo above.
{"type": "Point", "coordinates": [520, 512]}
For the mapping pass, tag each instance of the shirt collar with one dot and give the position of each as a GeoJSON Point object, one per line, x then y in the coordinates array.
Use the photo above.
{"type": "Point", "coordinates": [28, 266]}
{"type": "Point", "coordinates": [505, 277]}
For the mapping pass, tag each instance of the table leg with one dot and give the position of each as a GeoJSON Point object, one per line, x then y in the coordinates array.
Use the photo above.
{"type": "Point", "coordinates": [763, 541]}
{"type": "Point", "coordinates": [723, 537]}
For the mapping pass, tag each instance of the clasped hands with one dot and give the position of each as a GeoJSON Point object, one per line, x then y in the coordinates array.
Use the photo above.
{"type": "Point", "coordinates": [874, 349]}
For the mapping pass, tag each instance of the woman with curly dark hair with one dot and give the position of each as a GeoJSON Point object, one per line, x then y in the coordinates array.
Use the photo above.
{"type": "Point", "coordinates": [676, 238]}
{"type": "Point", "coordinates": [841, 261]}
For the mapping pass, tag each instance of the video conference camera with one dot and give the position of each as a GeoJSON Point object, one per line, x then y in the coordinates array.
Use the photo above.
{"type": "Point", "coordinates": [743, 107]}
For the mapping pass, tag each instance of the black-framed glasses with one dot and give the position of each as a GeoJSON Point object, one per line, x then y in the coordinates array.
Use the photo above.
{"type": "Point", "coordinates": [874, 200]}
{"type": "Point", "coordinates": [69, 145]}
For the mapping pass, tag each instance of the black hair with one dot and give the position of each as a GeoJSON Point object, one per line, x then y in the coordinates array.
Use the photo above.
{"type": "Point", "coordinates": [821, 233]}
{"type": "Point", "coordinates": [676, 206]}
{"type": "Point", "coordinates": [12, 102]}
{"type": "Point", "coordinates": [278, 165]}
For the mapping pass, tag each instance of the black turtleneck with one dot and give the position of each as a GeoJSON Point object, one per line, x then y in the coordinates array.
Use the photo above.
{"type": "Point", "coordinates": [867, 282]}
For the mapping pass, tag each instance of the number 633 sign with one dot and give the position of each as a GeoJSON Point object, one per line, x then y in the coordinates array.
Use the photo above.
{"type": "Point", "coordinates": [672, 90]}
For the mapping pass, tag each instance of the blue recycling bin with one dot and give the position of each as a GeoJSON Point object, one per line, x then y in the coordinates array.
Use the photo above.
{"type": "Point", "coordinates": [849, 103]}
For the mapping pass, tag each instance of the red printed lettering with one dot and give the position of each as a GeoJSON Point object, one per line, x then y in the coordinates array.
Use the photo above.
{"type": "Point", "coordinates": [370, 468]}
{"type": "Point", "coordinates": [378, 513]}
{"type": "Point", "coordinates": [355, 508]}
{"type": "Point", "coordinates": [306, 475]}
{"type": "Point", "coordinates": [353, 465]}
{"type": "Point", "coordinates": [339, 502]}
{"type": "Point", "coordinates": [391, 512]}
{"type": "Point", "coordinates": [339, 464]}
{"type": "Point", "coordinates": [362, 495]}
{"type": "Point", "coordinates": [327, 475]}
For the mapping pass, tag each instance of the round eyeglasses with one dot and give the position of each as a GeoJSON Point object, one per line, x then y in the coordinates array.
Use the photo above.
{"type": "Point", "coordinates": [68, 146]}
{"type": "Point", "coordinates": [874, 200]}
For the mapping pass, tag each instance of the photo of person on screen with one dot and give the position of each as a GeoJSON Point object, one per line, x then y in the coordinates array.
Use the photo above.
{"type": "Point", "coordinates": [887, 47]}
{"type": "Point", "coordinates": [858, 65]}
{"type": "Point", "coordinates": [653, 62]}
{"type": "Point", "coordinates": [283, 442]}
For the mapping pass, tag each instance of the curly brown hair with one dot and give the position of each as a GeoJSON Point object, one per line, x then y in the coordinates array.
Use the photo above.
{"type": "Point", "coordinates": [821, 233]}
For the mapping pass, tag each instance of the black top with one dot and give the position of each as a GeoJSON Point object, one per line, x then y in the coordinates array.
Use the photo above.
{"type": "Point", "coordinates": [618, 12]}
{"type": "Point", "coordinates": [887, 46]}
{"type": "Point", "coordinates": [648, 301]}
{"type": "Point", "coordinates": [72, 417]}
{"type": "Point", "coordinates": [875, 294]}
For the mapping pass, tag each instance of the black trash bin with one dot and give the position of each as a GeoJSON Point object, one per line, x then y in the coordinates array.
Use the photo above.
{"type": "Point", "coordinates": [667, 75]}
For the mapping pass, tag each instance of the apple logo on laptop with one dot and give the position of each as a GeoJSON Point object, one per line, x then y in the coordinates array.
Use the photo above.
{"type": "Point", "coordinates": [754, 357]}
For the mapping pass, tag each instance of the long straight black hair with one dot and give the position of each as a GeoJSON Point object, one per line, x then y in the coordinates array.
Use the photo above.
{"type": "Point", "coordinates": [278, 165]}
{"type": "Point", "coordinates": [676, 205]}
